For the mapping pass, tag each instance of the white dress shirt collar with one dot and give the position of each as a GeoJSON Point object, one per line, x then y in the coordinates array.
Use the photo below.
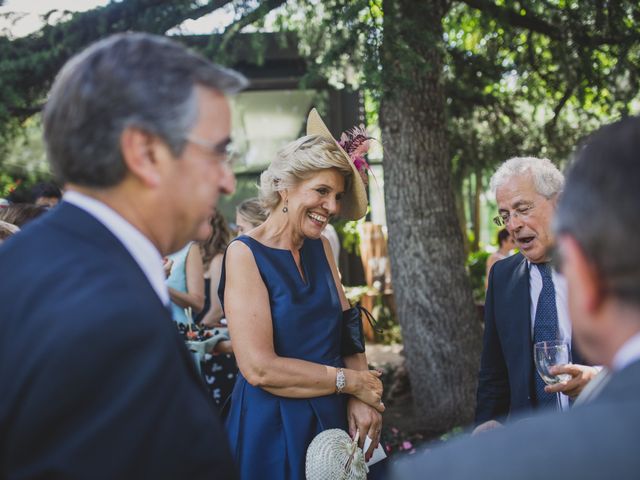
{"type": "Point", "coordinates": [140, 247]}
{"type": "Point", "coordinates": [628, 353]}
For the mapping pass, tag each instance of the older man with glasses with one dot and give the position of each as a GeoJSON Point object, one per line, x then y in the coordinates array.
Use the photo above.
{"type": "Point", "coordinates": [526, 299]}
{"type": "Point", "coordinates": [595, 225]}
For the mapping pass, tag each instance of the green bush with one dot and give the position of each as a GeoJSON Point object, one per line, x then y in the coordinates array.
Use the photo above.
{"type": "Point", "coordinates": [386, 323]}
{"type": "Point", "coordinates": [476, 266]}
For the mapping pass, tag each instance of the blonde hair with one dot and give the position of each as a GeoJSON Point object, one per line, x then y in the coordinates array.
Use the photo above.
{"type": "Point", "coordinates": [252, 211]}
{"type": "Point", "coordinates": [298, 161]}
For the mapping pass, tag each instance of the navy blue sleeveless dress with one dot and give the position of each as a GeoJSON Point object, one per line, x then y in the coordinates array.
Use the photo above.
{"type": "Point", "coordinates": [268, 434]}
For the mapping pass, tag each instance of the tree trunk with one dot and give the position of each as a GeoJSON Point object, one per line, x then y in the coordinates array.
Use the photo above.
{"type": "Point", "coordinates": [434, 302]}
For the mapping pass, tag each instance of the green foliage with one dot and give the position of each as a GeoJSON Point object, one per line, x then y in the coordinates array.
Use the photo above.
{"type": "Point", "coordinates": [455, 432]}
{"type": "Point", "coordinates": [341, 40]}
{"type": "Point", "coordinates": [389, 329]}
{"type": "Point", "coordinates": [476, 266]}
{"type": "Point", "coordinates": [349, 233]}
{"type": "Point", "coordinates": [28, 65]}
{"type": "Point", "coordinates": [531, 79]}
{"type": "Point", "coordinates": [8, 184]}
{"type": "Point", "coordinates": [355, 294]}
{"type": "Point", "coordinates": [25, 156]}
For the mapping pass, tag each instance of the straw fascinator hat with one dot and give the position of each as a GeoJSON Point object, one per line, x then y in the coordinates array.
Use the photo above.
{"type": "Point", "coordinates": [353, 145]}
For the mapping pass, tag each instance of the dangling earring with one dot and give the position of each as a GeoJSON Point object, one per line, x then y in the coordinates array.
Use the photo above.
{"type": "Point", "coordinates": [285, 209]}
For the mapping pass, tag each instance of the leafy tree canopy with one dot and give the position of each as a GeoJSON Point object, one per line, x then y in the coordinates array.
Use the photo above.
{"type": "Point", "coordinates": [520, 77]}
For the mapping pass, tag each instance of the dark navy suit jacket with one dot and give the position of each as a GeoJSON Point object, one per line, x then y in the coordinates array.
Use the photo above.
{"type": "Point", "coordinates": [95, 381]}
{"type": "Point", "coordinates": [506, 379]}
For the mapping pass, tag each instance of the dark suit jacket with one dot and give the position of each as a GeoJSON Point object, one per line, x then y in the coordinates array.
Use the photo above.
{"type": "Point", "coordinates": [590, 442]}
{"type": "Point", "coordinates": [95, 381]}
{"type": "Point", "coordinates": [506, 378]}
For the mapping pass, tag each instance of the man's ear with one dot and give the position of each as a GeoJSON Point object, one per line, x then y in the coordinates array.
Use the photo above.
{"type": "Point", "coordinates": [139, 154]}
{"type": "Point", "coordinates": [582, 273]}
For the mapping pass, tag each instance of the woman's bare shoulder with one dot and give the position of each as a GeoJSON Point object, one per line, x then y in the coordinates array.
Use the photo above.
{"type": "Point", "coordinates": [240, 256]}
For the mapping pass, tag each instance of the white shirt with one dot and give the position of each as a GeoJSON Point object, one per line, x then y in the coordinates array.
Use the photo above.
{"type": "Point", "coordinates": [140, 247]}
{"type": "Point", "coordinates": [564, 324]}
{"type": "Point", "coordinates": [628, 353]}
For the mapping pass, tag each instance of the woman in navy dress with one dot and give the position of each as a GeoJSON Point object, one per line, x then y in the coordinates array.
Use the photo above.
{"type": "Point", "coordinates": [283, 301]}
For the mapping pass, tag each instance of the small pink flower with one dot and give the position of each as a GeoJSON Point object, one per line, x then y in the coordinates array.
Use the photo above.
{"type": "Point", "coordinates": [394, 430]}
{"type": "Point", "coordinates": [406, 445]}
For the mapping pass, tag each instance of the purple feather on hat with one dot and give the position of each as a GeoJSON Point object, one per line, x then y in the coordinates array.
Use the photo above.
{"type": "Point", "coordinates": [356, 143]}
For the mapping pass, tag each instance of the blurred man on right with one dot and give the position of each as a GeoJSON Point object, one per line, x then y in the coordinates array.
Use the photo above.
{"type": "Point", "coordinates": [596, 230]}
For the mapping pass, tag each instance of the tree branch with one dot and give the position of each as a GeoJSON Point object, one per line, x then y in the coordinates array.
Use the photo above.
{"type": "Point", "coordinates": [232, 30]}
{"type": "Point", "coordinates": [516, 19]}
{"type": "Point", "coordinates": [551, 125]}
{"type": "Point", "coordinates": [529, 21]}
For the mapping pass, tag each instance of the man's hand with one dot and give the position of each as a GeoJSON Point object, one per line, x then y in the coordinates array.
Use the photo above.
{"type": "Point", "coordinates": [486, 426]}
{"type": "Point", "coordinates": [580, 376]}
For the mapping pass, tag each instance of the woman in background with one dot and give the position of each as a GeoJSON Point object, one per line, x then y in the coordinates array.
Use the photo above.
{"type": "Point", "coordinates": [249, 215]}
{"type": "Point", "coordinates": [505, 245]}
{"type": "Point", "coordinates": [212, 251]}
{"type": "Point", "coordinates": [219, 371]}
{"type": "Point", "coordinates": [186, 288]}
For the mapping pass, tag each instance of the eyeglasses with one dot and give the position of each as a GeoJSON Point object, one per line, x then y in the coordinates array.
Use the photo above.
{"type": "Point", "coordinates": [224, 151]}
{"type": "Point", "coordinates": [523, 211]}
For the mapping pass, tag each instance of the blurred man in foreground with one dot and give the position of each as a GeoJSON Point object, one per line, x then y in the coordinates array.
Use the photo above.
{"type": "Point", "coordinates": [95, 381]}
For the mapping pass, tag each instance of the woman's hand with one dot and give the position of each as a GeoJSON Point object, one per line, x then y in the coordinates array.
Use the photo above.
{"type": "Point", "coordinates": [223, 346]}
{"type": "Point", "coordinates": [210, 323]}
{"type": "Point", "coordinates": [367, 421]}
{"type": "Point", "coordinates": [366, 386]}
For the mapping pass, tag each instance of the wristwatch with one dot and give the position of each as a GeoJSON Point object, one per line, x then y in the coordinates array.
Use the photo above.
{"type": "Point", "coordinates": [341, 382]}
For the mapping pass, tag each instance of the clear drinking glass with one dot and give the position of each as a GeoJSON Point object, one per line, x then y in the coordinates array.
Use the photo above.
{"type": "Point", "coordinates": [549, 354]}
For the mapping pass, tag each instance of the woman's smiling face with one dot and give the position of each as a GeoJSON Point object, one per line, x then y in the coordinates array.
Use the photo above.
{"type": "Point", "coordinates": [314, 201]}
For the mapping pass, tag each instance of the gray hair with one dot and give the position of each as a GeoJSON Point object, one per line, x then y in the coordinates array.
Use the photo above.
{"type": "Point", "coordinates": [126, 80]}
{"type": "Point", "coordinates": [298, 161]}
{"type": "Point", "coordinates": [547, 179]}
{"type": "Point", "coordinates": [599, 206]}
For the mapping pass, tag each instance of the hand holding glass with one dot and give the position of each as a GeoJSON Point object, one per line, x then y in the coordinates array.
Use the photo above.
{"type": "Point", "coordinates": [550, 354]}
